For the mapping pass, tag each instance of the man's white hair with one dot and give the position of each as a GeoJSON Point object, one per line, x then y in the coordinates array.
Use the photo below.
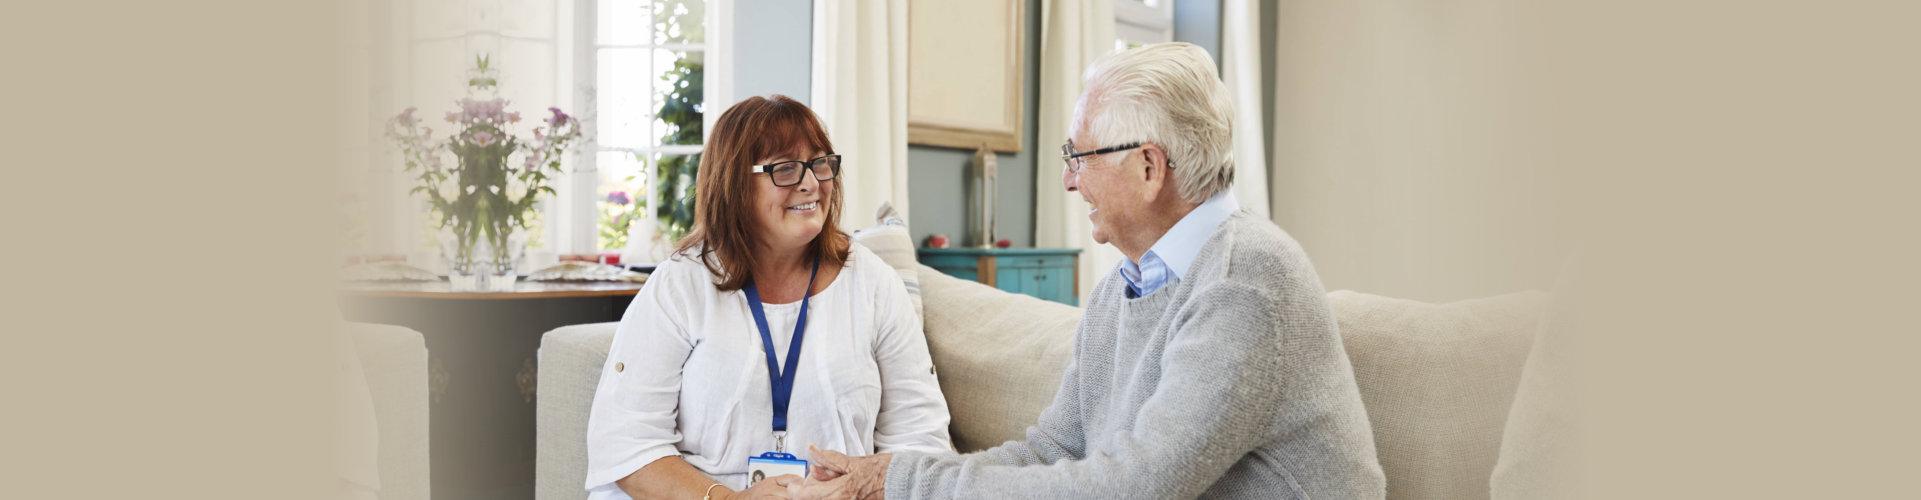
{"type": "Point", "coordinates": [1168, 94]}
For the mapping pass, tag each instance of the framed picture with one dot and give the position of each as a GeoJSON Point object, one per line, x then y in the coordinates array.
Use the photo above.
{"type": "Point", "coordinates": [964, 79]}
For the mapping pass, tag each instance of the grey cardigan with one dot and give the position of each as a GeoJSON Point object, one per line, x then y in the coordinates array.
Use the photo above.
{"type": "Point", "coordinates": [1230, 383]}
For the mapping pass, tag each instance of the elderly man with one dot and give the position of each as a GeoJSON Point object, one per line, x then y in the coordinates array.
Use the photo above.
{"type": "Point", "coordinates": [1207, 364]}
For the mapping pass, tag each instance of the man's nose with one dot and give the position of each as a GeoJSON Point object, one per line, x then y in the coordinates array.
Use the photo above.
{"type": "Point", "coordinates": [1070, 180]}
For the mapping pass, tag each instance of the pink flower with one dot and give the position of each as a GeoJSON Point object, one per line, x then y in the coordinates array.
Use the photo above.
{"type": "Point", "coordinates": [483, 138]}
{"type": "Point", "coordinates": [559, 117]}
{"type": "Point", "coordinates": [513, 117]}
{"type": "Point", "coordinates": [619, 198]}
{"type": "Point", "coordinates": [453, 117]}
{"type": "Point", "coordinates": [406, 118]}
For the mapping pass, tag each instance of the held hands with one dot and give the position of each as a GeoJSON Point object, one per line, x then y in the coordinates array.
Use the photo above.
{"type": "Point", "coordinates": [773, 487]}
{"type": "Point", "coordinates": [840, 477]}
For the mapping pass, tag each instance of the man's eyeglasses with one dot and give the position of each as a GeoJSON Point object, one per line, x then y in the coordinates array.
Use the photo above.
{"type": "Point", "coordinates": [1074, 159]}
{"type": "Point", "coordinates": [788, 173]}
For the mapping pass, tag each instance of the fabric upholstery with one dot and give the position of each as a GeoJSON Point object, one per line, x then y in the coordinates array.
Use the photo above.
{"type": "Point", "coordinates": [1539, 448]}
{"type": "Point", "coordinates": [1000, 356]}
{"type": "Point", "coordinates": [1437, 380]}
{"type": "Point", "coordinates": [889, 239]}
{"type": "Point", "coordinates": [394, 362]}
{"type": "Point", "coordinates": [571, 358]}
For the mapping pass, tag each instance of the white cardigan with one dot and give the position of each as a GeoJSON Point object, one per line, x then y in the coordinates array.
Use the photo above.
{"type": "Point", "coordinates": [686, 376]}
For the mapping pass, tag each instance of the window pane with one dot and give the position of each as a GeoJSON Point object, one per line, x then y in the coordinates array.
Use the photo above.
{"type": "Point", "coordinates": [678, 97]}
{"type": "Point", "coordinates": [624, 107]}
{"type": "Point", "coordinates": [674, 189]}
{"type": "Point", "coordinates": [621, 197]}
{"type": "Point", "coordinates": [623, 22]}
{"type": "Point", "coordinates": [679, 21]}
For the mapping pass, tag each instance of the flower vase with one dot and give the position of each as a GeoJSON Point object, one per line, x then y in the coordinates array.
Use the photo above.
{"type": "Point", "coordinates": [486, 266]}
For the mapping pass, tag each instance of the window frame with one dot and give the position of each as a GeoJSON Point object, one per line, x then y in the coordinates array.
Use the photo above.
{"type": "Point", "coordinates": [579, 200]}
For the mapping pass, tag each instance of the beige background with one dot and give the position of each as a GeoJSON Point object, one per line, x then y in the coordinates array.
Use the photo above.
{"type": "Point", "coordinates": [1741, 179]}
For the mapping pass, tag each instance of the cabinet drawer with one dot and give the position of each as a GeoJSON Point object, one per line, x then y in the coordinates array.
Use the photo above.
{"type": "Point", "coordinates": [1028, 261]}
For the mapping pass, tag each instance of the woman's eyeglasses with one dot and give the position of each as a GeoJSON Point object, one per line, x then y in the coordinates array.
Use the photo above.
{"type": "Point", "coordinates": [788, 173]}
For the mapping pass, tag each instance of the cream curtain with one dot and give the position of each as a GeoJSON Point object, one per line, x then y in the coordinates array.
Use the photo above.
{"type": "Point", "coordinates": [860, 93]}
{"type": "Point", "coordinates": [1241, 69]}
{"type": "Point", "coordinates": [1073, 35]}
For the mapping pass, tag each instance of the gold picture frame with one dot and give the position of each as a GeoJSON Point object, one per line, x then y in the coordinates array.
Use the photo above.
{"type": "Point", "coordinates": [965, 73]}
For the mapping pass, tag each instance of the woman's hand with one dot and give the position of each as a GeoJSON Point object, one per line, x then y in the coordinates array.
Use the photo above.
{"type": "Point", "coordinates": [773, 487]}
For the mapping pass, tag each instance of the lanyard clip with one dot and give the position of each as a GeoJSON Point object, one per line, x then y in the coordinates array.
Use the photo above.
{"type": "Point", "coordinates": [780, 441]}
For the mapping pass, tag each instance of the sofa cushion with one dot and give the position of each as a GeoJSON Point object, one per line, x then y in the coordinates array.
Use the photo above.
{"type": "Point", "coordinates": [1437, 380]}
{"type": "Point", "coordinates": [889, 239]}
{"type": "Point", "coordinates": [1539, 448]}
{"type": "Point", "coordinates": [999, 355]}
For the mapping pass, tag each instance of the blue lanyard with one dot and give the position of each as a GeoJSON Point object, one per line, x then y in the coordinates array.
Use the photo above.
{"type": "Point", "coordinates": [781, 380]}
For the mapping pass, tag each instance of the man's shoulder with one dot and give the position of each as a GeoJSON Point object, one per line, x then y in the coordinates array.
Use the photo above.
{"type": "Point", "coordinates": [1249, 248]}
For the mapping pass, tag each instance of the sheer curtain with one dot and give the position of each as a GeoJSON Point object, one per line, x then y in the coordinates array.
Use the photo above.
{"type": "Point", "coordinates": [1241, 69]}
{"type": "Point", "coordinates": [860, 92]}
{"type": "Point", "coordinates": [1073, 35]}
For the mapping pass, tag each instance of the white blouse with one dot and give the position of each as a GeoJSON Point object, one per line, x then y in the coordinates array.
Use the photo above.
{"type": "Point", "coordinates": [686, 376]}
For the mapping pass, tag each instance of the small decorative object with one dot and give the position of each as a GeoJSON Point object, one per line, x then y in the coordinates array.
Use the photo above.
{"type": "Point", "coordinates": [586, 271]}
{"type": "Point", "coordinates": [937, 241]}
{"type": "Point", "coordinates": [485, 200]}
{"type": "Point", "coordinates": [980, 199]}
{"type": "Point", "coordinates": [1003, 243]}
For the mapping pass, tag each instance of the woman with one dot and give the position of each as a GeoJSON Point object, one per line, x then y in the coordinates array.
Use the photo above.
{"type": "Point", "coordinates": [687, 396]}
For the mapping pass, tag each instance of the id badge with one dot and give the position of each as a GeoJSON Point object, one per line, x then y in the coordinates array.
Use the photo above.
{"type": "Point", "coordinates": [773, 464]}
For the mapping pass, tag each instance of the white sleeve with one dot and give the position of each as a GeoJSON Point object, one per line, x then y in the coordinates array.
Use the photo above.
{"type": "Point", "coordinates": [913, 412]}
{"type": "Point", "coordinates": [636, 405]}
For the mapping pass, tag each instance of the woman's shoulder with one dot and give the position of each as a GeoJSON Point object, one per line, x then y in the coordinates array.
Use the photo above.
{"type": "Point", "coordinates": [684, 269]}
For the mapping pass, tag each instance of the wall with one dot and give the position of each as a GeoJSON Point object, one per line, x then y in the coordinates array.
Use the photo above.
{"type": "Point", "coordinates": [775, 43]}
{"type": "Point", "coordinates": [936, 176]}
{"type": "Point", "coordinates": [1199, 22]}
{"type": "Point", "coordinates": [773, 49]}
{"type": "Point", "coordinates": [1399, 159]}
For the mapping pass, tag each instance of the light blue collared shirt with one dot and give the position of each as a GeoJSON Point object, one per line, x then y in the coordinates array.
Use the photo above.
{"type": "Point", "coordinates": [1170, 257]}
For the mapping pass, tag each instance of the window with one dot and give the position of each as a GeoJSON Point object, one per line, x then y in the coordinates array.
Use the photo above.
{"type": "Point", "coordinates": [633, 72]}
{"type": "Point", "coordinates": [648, 67]}
{"type": "Point", "coordinates": [1141, 22]}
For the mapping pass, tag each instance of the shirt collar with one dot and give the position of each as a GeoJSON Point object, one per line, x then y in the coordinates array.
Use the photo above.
{"type": "Point", "coordinates": [1182, 243]}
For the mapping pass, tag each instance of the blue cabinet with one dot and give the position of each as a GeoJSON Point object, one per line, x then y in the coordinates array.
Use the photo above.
{"type": "Point", "coordinates": [1047, 273]}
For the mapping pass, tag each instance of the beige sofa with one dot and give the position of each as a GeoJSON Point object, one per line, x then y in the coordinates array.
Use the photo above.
{"type": "Point", "coordinates": [383, 407]}
{"type": "Point", "coordinates": [1437, 379]}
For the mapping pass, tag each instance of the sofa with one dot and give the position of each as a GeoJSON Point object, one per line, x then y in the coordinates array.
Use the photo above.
{"type": "Point", "coordinates": [1437, 379]}
{"type": "Point", "coordinates": [383, 412]}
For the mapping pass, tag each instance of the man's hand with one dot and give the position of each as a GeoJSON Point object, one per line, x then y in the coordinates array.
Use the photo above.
{"type": "Point", "coordinates": [840, 477]}
{"type": "Point", "coordinates": [773, 487]}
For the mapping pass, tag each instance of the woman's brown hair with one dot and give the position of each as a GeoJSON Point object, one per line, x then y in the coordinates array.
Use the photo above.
{"type": "Point", "coordinates": [753, 130]}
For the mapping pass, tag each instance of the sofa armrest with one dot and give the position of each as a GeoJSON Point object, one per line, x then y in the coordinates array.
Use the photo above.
{"type": "Point", "coordinates": [571, 358]}
{"type": "Point", "coordinates": [394, 361]}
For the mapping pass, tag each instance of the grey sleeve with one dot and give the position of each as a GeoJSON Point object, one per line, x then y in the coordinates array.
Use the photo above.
{"type": "Point", "coordinates": [1056, 437]}
{"type": "Point", "coordinates": [1215, 402]}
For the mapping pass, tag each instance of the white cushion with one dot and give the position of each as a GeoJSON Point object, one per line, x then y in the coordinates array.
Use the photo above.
{"type": "Point", "coordinates": [1437, 380]}
{"type": "Point", "coordinates": [889, 239]}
